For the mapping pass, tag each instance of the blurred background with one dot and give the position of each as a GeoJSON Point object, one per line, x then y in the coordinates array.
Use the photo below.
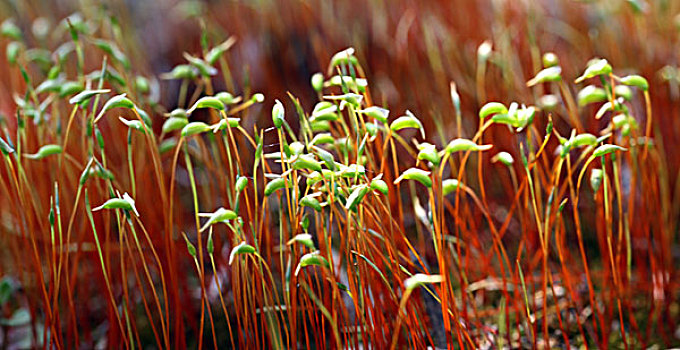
{"type": "Point", "coordinates": [411, 49]}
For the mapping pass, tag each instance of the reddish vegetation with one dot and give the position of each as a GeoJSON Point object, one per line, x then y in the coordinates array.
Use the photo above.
{"type": "Point", "coordinates": [395, 258]}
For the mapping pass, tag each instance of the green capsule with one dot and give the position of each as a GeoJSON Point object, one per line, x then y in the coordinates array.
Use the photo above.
{"type": "Point", "coordinates": [13, 49]}
{"type": "Point", "coordinates": [210, 246]}
{"type": "Point", "coordinates": [216, 52]}
{"type": "Point", "coordinates": [503, 157]}
{"type": "Point", "coordinates": [182, 71]}
{"type": "Point", "coordinates": [417, 174]}
{"type": "Point", "coordinates": [379, 185]}
{"type": "Point", "coordinates": [178, 113]}
{"type": "Point", "coordinates": [296, 148]}
{"type": "Point", "coordinates": [492, 108]}
{"type": "Point", "coordinates": [219, 215]}
{"type": "Point", "coordinates": [113, 50]}
{"type": "Point", "coordinates": [549, 74]}
{"type": "Point", "coordinates": [207, 102]}
{"type": "Point", "coordinates": [227, 98]}
{"type": "Point", "coordinates": [595, 68]}
{"type": "Point", "coordinates": [257, 98]}
{"type": "Point", "coordinates": [273, 186]}
{"type": "Point", "coordinates": [596, 177]}
{"type": "Point", "coordinates": [117, 203]}
{"type": "Point", "coordinates": [550, 59]}
{"type": "Point", "coordinates": [132, 124]}
{"type": "Point", "coordinates": [309, 201]}
{"type": "Point", "coordinates": [320, 125]}
{"type": "Point", "coordinates": [174, 123]}
{"type": "Point", "coordinates": [142, 84]}
{"type": "Point", "coordinates": [325, 156]}
{"type": "Point", "coordinates": [591, 94]}
{"type": "Point", "coordinates": [10, 29]}
{"type": "Point", "coordinates": [278, 114]}
{"type": "Point", "coordinates": [428, 152]}
{"type": "Point", "coordinates": [636, 81]}
{"type": "Point", "coordinates": [85, 95]}
{"type": "Point", "coordinates": [623, 91]}
{"type": "Point", "coordinates": [312, 259]}
{"type": "Point", "coordinates": [323, 138]}
{"type": "Point", "coordinates": [341, 58]}
{"type": "Point", "coordinates": [241, 184]}
{"type": "Point", "coordinates": [303, 238]}
{"type": "Point", "coordinates": [606, 149]}
{"type": "Point", "coordinates": [584, 139]}
{"type": "Point", "coordinates": [306, 162]}
{"type": "Point", "coordinates": [69, 88]}
{"type": "Point", "coordinates": [407, 121]}
{"type": "Point", "coordinates": [194, 128]}
{"type": "Point", "coordinates": [317, 82]}
{"type": "Point", "coordinates": [449, 186]}
{"type": "Point", "coordinates": [351, 171]}
{"type": "Point", "coordinates": [460, 144]}
{"type": "Point", "coordinates": [118, 101]}
{"type": "Point", "coordinates": [45, 151]}
{"type": "Point", "coordinates": [356, 197]}
{"type": "Point", "coordinates": [190, 247]}
{"type": "Point", "coordinates": [241, 248]}
{"type": "Point", "coordinates": [377, 113]}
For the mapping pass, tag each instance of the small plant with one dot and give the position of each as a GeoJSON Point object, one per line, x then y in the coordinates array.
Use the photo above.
{"type": "Point", "coordinates": [333, 220]}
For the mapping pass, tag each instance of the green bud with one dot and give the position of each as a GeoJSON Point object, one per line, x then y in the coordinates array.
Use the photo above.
{"type": "Point", "coordinates": [606, 149]}
{"type": "Point", "coordinates": [207, 102]}
{"type": "Point", "coordinates": [303, 238]}
{"type": "Point", "coordinates": [637, 81]}
{"type": "Point", "coordinates": [309, 201]}
{"type": "Point", "coordinates": [595, 68]}
{"type": "Point", "coordinates": [417, 174]}
{"type": "Point", "coordinates": [449, 186]}
{"type": "Point", "coordinates": [312, 259]}
{"type": "Point", "coordinates": [492, 108]}
{"type": "Point", "coordinates": [379, 185]}
{"type": "Point", "coordinates": [278, 114]}
{"type": "Point", "coordinates": [460, 144]}
{"type": "Point", "coordinates": [503, 157]}
{"type": "Point", "coordinates": [549, 74]}
{"type": "Point", "coordinates": [241, 248]}
{"type": "Point", "coordinates": [591, 94]}
{"type": "Point", "coordinates": [174, 123]}
{"type": "Point", "coordinates": [44, 151]}
{"type": "Point", "coordinates": [550, 59]}
{"type": "Point", "coordinates": [317, 82]}
{"type": "Point", "coordinates": [273, 186]}
{"type": "Point", "coordinates": [220, 215]}
{"type": "Point", "coordinates": [194, 128]}
{"type": "Point", "coordinates": [241, 184]}
{"type": "Point", "coordinates": [407, 121]}
{"type": "Point", "coordinates": [596, 179]}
